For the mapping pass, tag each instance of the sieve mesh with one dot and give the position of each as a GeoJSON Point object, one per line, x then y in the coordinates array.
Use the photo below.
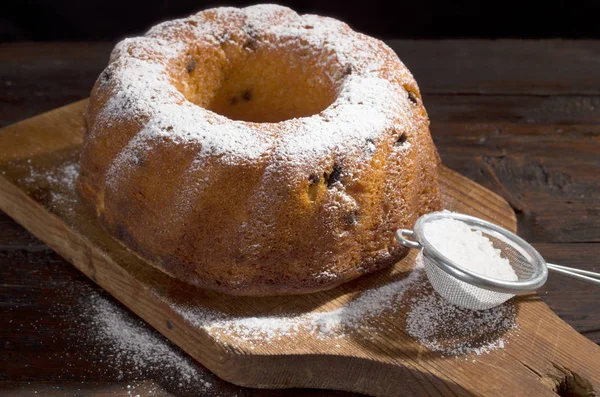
{"type": "Point", "coordinates": [467, 289]}
{"type": "Point", "coordinates": [469, 296]}
{"type": "Point", "coordinates": [461, 293]}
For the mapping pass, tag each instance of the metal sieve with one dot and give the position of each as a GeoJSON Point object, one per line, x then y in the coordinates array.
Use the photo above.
{"type": "Point", "coordinates": [465, 288]}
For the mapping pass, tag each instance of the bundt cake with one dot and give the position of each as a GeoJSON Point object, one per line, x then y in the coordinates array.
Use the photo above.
{"type": "Point", "coordinates": [256, 151]}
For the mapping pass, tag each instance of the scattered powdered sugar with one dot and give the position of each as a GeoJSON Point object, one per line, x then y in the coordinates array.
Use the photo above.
{"type": "Point", "coordinates": [94, 338]}
{"type": "Point", "coordinates": [326, 274]}
{"type": "Point", "coordinates": [368, 304]}
{"type": "Point", "coordinates": [431, 320]}
{"type": "Point", "coordinates": [349, 317]}
{"type": "Point", "coordinates": [136, 347]}
{"type": "Point", "coordinates": [468, 248]}
{"type": "Point", "coordinates": [443, 327]}
{"type": "Point", "coordinates": [67, 174]}
{"type": "Point", "coordinates": [59, 182]}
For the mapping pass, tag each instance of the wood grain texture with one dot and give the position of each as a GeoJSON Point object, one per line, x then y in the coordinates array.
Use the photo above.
{"type": "Point", "coordinates": [544, 353]}
{"type": "Point", "coordinates": [522, 67]}
{"type": "Point", "coordinates": [81, 389]}
{"type": "Point", "coordinates": [549, 174]}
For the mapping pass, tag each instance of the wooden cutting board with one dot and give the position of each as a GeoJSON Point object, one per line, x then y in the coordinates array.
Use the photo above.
{"type": "Point", "coordinates": [374, 355]}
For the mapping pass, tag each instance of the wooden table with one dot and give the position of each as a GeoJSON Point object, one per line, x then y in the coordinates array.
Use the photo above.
{"type": "Point", "coordinates": [519, 117]}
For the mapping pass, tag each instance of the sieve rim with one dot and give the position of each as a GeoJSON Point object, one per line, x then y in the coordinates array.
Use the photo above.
{"type": "Point", "coordinates": [513, 287]}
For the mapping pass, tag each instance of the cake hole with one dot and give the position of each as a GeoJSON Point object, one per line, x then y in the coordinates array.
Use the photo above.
{"type": "Point", "coordinates": [348, 70]}
{"type": "Point", "coordinates": [351, 218]}
{"type": "Point", "coordinates": [334, 176]}
{"type": "Point", "coordinates": [106, 76]}
{"type": "Point", "coordinates": [412, 97]}
{"type": "Point", "coordinates": [251, 44]}
{"type": "Point", "coordinates": [269, 84]}
{"type": "Point", "coordinates": [128, 104]}
{"type": "Point", "coordinates": [247, 95]}
{"type": "Point", "coordinates": [314, 179]}
{"type": "Point", "coordinates": [401, 139]}
{"type": "Point", "coordinates": [139, 160]}
{"type": "Point", "coordinates": [191, 65]}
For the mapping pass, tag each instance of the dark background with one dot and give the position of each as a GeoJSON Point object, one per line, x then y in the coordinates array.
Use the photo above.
{"type": "Point", "coordinates": [113, 19]}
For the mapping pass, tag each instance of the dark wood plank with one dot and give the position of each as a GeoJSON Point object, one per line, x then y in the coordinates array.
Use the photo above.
{"type": "Point", "coordinates": [522, 109]}
{"type": "Point", "coordinates": [501, 67]}
{"type": "Point", "coordinates": [13, 236]}
{"type": "Point", "coordinates": [82, 389]}
{"type": "Point", "coordinates": [37, 77]}
{"type": "Point", "coordinates": [574, 301]}
{"type": "Point", "coordinates": [549, 174]}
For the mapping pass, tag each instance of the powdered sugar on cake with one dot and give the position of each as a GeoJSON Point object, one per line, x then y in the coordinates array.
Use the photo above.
{"type": "Point", "coordinates": [352, 124]}
{"type": "Point", "coordinates": [369, 101]}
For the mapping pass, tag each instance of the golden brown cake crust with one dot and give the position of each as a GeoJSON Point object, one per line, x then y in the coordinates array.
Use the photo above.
{"type": "Point", "coordinates": [258, 152]}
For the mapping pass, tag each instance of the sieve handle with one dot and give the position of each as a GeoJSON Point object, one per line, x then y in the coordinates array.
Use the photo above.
{"type": "Point", "coordinates": [583, 275]}
{"type": "Point", "coordinates": [400, 236]}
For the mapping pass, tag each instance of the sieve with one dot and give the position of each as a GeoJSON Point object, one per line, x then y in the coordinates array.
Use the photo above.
{"type": "Point", "coordinates": [465, 288]}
